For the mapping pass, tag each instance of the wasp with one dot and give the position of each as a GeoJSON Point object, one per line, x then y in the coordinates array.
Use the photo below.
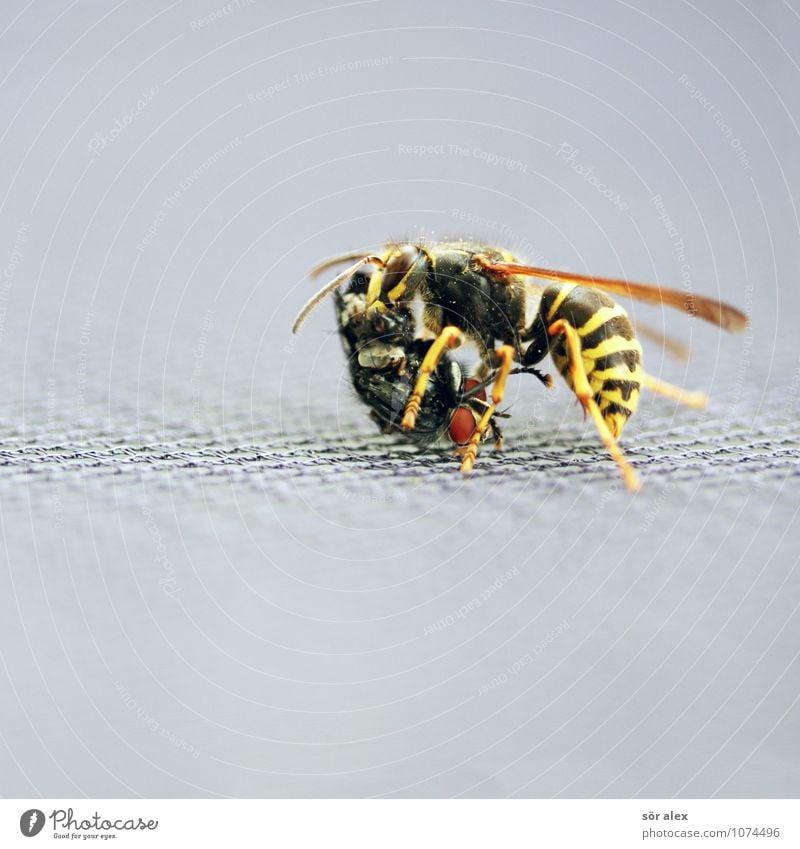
{"type": "Point", "coordinates": [482, 294]}
{"type": "Point", "coordinates": [385, 357]}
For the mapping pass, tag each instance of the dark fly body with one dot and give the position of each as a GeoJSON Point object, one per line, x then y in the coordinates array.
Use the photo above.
{"type": "Point", "coordinates": [384, 358]}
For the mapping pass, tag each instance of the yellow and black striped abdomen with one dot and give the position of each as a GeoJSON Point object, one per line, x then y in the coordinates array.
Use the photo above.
{"type": "Point", "coordinates": [612, 355]}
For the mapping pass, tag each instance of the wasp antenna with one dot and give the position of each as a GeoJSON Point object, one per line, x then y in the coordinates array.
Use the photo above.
{"type": "Point", "coordinates": [335, 260]}
{"type": "Point", "coordinates": [328, 289]}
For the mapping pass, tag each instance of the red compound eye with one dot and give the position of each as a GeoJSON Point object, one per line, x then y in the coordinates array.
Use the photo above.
{"type": "Point", "coordinates": [462, 426]}
{"type": "Point", "coordinates": [471, 383]}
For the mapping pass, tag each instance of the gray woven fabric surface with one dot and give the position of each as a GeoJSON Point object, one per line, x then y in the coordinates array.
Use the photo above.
{"type": "Point", "coordinates": [220, 580]}
{"type": "Point", "coordinates": [286, 610]}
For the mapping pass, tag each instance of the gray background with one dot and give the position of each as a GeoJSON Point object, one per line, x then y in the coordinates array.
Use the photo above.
{"type": "Point", "coordinates": [217, 578]}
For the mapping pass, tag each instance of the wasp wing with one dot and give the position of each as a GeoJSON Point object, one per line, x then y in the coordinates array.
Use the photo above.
{"type": "Point", "coordinates": [672, 346]}
{"type": "Point", "coordinates": [716, 312]}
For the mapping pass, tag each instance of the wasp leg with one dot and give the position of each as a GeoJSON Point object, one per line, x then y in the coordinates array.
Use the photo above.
{"type": "Point", "coordinates": [696, 400]}
{"type": "Point", "coordinates": [448, 338]}
{"type": "Point", "coordinates": [470, 451]}
{"type": "Point", "coordinates": [497, 433]}
{"type": "Point", "coordinates": [546, 379]}
{"type": "Point", "coordinates": [505, 353]}
{"type": "Point", "coordinates": [580, 385]}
